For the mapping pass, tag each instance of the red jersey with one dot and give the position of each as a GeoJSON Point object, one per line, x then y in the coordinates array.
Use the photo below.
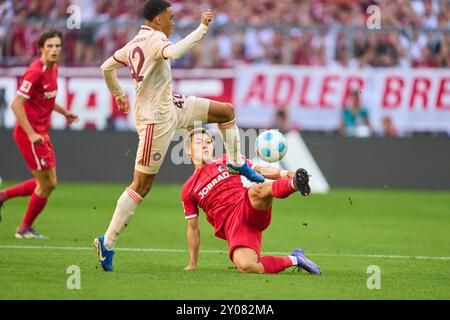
{"type": "Point", "coordinates": [39, 87]}
{"type": "Point", "coordinates": [216, 191]}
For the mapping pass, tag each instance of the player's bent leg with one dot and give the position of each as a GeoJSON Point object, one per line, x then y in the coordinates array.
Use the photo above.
{"type": "Point", "coordinates": [23, 189]}
{"type": "Point", "coordinates": [283, 188]}
{"type": "Point", "coordinates": [224, 115]}
{"type": "Point", "coordinates": [261, 196]}
{"type": "Point", "coordinates": [220, 112]}
{"type": "Point", "coordinates": [46, 182]}
{"type": "Point", "coordinates": [272, 264]}
{"type": "Point", "coordinates": [123, 214]}
{"type": "Point", "coordinates": [142, 183]}
{"type": "Point", "coordinates": [246, 260]}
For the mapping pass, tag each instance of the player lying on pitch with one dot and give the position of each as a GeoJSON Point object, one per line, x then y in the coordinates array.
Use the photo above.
{"type": "Point", "coordinates": [238, 214]}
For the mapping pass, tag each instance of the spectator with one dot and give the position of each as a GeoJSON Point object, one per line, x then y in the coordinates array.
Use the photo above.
{"type": "Point", "coordinates": [389, 129]}
{"type": "Point", "coordinates": [355, 118]}
{"type": "Point", "coordinates": [315, 32]}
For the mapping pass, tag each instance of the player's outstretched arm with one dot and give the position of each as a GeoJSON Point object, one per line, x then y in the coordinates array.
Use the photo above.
{"type": "Point", "coordinates": [108, 69]}
{"type": "Point", "coordinates": [193, 238]}
{"type": "Point", "coordinates": [274, 173]}
{"type": "Point", "coordinates": [179, 49]}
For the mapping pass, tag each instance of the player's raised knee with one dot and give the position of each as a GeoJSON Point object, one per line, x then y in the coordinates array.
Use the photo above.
{"type": "Point", "coordinates": [227, 112]}
{"type": "Point", "coordinates": [230, 111]}
{"type": "Point", "coordinates": [260, 191]}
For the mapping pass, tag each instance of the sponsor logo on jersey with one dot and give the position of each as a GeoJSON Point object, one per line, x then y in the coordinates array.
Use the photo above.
{"type": "Point", "coordinates": [221, 169]}
{"type": "Point", "coordinates": [50, 94]}
{"type": "Point", "coordinates": [202, 194]}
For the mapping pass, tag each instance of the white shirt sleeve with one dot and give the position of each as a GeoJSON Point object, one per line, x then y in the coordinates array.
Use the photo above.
{"type": "Point", "coordinates": [110, 76]}
{"type": "Point", "coordinates": [179, 49]}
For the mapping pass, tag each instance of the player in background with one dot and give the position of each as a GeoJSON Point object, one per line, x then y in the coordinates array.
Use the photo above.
{"type": "Point", "coordinates": [33, 105]}
{"type": "Point", "coordinates": [159, 112]}
{"type": "Point", "coordinates": [238, 214]}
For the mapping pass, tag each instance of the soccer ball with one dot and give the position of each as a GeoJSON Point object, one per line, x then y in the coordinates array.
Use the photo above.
{"type": "Point", "coordinates": [271, 146]}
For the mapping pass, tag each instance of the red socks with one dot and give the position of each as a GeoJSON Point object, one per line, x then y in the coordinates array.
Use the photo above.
{"type": "Point", "coordinates": [275, 264]}
{"type": "Point", "coordinates": [23, 189]}
{"type": "Point", "coordinates": [35, 206]}
{"type": "Point", "coordinates": [282, 188]}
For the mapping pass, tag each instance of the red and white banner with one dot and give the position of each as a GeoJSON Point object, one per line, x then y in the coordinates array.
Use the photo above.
{"type": "Point", "coordinates": [415, 99]}
{"type": "Point", "coordinates": [83, 91]}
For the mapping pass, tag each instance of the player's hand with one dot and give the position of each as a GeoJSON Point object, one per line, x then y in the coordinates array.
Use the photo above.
{"type": "Point", "coordinates": [36, 138]}
{"type": "Point", "coordinates": [190, 266]}
{"type": "Point", "coordinates": [123, 104]}
{"type": "Point", "coordinates": [71, 118]}
{"type": "Point", "coordinates": [207, 17]}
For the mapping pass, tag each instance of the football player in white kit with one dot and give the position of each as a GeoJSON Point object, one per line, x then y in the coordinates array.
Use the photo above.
{"type": "Point", "coordinates": [159, 112]}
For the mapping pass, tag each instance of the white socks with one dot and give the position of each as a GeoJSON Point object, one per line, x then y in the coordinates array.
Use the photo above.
{"type": "Point", "coordinates": [294, 260]}
{"type": "Point", "coordinates": [126, 205]}
{"type": "Point", "coordinates": [230, 136]}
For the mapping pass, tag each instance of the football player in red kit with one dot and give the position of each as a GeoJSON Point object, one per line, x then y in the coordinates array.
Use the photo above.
{"type": "Point", "coordinates": [238, 214]}
{"type": "Point", "coordinates": [33, 106]}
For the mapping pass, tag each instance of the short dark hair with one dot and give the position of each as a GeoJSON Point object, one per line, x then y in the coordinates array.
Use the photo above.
{"type": "Point", "coordinates": [48, 34]}
{"type": "Point", "coordinates": [153, 8]}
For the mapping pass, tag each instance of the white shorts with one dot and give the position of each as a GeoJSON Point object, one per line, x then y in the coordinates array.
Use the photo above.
{"type": "Point", "coordinates": [155, 138]}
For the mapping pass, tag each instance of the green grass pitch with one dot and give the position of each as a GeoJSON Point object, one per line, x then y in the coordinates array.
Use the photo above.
{"type": "Point", "coordinates": [404, 233]}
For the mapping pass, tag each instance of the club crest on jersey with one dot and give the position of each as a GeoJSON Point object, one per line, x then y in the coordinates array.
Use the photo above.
{"type": "Point", "coordinates": [157, 156]}
{"type": "Point", "coordinates": [213, 182]}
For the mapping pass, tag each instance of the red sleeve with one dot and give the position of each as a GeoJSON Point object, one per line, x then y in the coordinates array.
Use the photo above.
{"type": "Point", "coordinates": [189, 204]}
{"type": "Point", "coordinates": [29, 81]}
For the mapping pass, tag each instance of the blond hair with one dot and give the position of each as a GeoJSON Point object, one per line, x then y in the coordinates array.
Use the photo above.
{"type": "Point", "coordinates": [190, 133]}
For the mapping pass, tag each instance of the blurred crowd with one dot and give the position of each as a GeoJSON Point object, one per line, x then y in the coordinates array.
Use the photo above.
{"type": "Point", "coordinates": [299, 32]}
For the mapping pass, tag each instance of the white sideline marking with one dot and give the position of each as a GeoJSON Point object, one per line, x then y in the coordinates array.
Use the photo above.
{"type": "Point", "coordinates": [381, 256]}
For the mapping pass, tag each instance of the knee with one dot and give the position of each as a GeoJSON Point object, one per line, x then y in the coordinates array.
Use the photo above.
{"type": "Point", "coordinates": [44, 189]}
{"type": "Point", "coordinates": [49, 185]}
{"type": "Point", "coordinates": [260, 191]}
{"type": "Point", "coordinates": [244, 266]}
{"type": "Point", "coordinates": [52, 185]}
{"type": "Point", "coordinates": [228, 112]}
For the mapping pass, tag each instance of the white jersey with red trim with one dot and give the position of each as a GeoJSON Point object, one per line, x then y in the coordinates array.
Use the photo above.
{"type": "Point", "coordinates": [151, 74]}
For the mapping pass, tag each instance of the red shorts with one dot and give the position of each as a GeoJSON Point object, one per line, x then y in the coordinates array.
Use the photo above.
{"type": "Point", "coordinates": [37, 156]}
{"type": "Point", "coordinates": [244, 227]}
